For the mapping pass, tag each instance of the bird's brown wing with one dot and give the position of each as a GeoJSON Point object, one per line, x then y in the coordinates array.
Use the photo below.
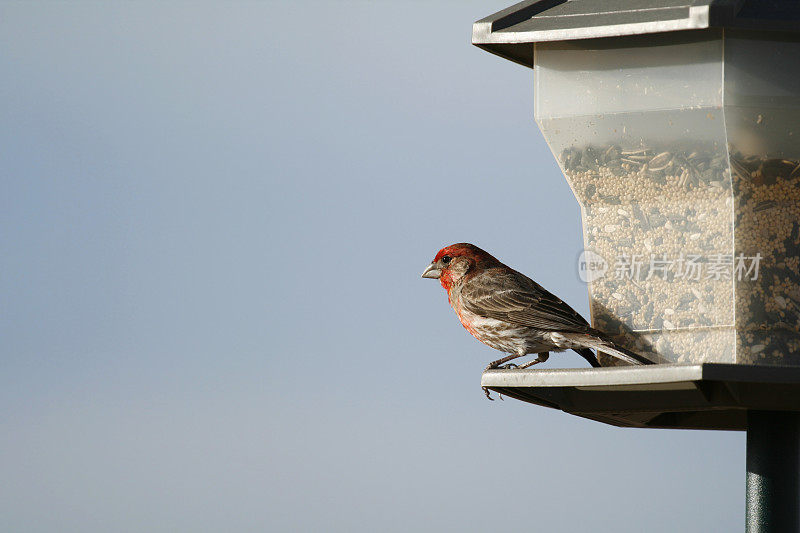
{"type": "Point", "coordinates": [508, 295]}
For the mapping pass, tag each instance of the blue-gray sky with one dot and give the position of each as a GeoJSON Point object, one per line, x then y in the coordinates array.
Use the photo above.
{"type": "Point", "coordinates": [212, 223]}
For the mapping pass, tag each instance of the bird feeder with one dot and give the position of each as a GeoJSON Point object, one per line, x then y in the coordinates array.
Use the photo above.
{"type": "Point", "coordinates": [677, 125]}
{"type": "Point", "coordinates": [683, 149]}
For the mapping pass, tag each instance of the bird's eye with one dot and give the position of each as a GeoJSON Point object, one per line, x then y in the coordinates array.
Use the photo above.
{"type": "Point", "coordinates": [446, 259]}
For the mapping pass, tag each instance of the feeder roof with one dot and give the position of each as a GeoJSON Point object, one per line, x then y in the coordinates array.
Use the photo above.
{"type": "Point", "coordinates": [510, 32]}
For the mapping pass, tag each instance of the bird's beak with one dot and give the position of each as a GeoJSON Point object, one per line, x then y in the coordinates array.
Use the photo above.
{"type": "Point", "coordinates": [432, 272]}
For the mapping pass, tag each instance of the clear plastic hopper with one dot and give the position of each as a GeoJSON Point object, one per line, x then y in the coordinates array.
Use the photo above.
{"type": "Point", "coordinates": [683, 150]}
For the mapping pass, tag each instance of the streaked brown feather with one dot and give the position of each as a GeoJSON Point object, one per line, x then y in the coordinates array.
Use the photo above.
{"type": "Point", "coordinates": [505, 294]}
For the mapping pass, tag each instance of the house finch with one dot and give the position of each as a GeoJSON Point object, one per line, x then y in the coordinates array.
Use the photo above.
{"type": "Point", "coordinates": [510, 312]}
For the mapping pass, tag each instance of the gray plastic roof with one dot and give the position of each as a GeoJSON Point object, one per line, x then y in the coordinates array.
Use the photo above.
{"type": "Point", "coordinates": [510, 32]}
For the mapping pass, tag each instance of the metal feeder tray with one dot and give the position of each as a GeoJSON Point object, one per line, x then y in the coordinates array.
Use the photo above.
{"type": "Point", "coordinates": [700, 396]}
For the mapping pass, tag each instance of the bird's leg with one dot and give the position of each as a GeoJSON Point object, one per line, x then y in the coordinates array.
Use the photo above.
{"type": "Point", "coordinates": [495, 364]}
{"type": "Point", "coordinates": [541, 358]}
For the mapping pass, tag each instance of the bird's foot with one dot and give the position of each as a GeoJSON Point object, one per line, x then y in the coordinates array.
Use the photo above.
{"type": "Point", "coordinates": [496, 364]}
{"type": "Point", "coordinates": [542, 357]}
{"type": "Point", "coordinates": [507, 366]}
{"type": "Point", "coordinates": [488, 394]}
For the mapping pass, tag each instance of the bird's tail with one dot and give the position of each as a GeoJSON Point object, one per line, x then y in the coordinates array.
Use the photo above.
{"type": "Point", "coordinates": [607, 346]}
{"type": "Point", "coordinates": [623, 354]}
{"type": "Point", "coordinates": [589, 355]}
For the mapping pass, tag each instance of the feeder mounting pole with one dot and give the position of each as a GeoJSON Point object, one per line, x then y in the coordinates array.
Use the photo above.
{"type": "Point", "coordinates": [773, 471]}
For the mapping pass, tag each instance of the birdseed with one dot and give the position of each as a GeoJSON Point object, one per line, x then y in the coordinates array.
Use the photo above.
{"type": "Point", "coordinates": [683, 231]}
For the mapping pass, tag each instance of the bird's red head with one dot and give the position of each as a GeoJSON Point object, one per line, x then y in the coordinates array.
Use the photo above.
{"type": "Point", "coordinates": [455, 263]}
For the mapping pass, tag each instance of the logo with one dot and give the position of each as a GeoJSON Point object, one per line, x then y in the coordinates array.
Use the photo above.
{"type": "Point", "coordinates": [591, 266]}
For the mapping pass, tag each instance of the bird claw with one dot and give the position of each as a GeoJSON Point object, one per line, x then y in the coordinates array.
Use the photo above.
{"type": "Point", "coordinates": [499, 362]}
{"type": "Point", "coordinates": [508, 366]}
{"type": "Point", "coordinates": [488, 395]}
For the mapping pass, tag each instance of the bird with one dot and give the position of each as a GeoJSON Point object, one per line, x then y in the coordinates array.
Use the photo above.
{"type": "Point", "coordinates": [508, 311]}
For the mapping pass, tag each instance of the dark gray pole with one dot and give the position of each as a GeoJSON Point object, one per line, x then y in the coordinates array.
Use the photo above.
{"type": "Point", "coordinates": [773, 470]}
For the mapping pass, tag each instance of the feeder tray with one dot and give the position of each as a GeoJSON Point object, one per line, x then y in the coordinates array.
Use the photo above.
{"type": "Point", "coordinates": [703, 396]}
